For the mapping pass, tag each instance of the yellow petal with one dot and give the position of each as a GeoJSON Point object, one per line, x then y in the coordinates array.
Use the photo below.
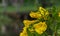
{"type": "Point", "coordinates": [35, 15]}
{"type": "Point", "coordinates": [28, 22]}
{"type": "Point", "coordinates": [40, 27]}
{"type": "Point", "coordinates": [24, 32]}
{"type": "Point", "coordinates": [39, 31]}
{"type": "Point", "coordinates": [42, 9]}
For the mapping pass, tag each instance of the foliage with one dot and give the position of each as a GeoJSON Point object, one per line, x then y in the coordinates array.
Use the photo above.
{"type": "Point", "coordinates": [45, 24]}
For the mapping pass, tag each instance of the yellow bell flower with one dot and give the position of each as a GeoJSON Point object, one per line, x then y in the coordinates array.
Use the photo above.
{"type": "Point", "coordinates": [40, 27]}
{"type": "Point", "coordinates": [28, 22]}
{"type": "Point", "coordinates": [42, 9]}
{"type": "Point", "coordinates": [35, 15]}
{"type": "Point", "coordinates": [24, 32]}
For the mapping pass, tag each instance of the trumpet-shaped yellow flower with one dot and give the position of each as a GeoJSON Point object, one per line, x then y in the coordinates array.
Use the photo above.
{"type": "Point", "coordinates": [28, 22]}
{"type": "Point", "coordinates": [24, 32]}
{"type": "Point", "coordinates": [42, 9]}
{"type": "Point", "coordinates": [35, 15]}
{"type": "Point", "coordinates": [40, 27]}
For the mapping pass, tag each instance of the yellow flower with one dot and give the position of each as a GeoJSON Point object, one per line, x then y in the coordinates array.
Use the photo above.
{"type": "Point", "coordinates": [24, 33]}
{"type": "Point", "coordinates": [35, 15]}
{"type": "Point", "coordinates": [40, 27]}
{"type": "Point", "coordinates": [59, 14]}
{"type": "Point", "coordinates": [42, 9]}
{"type": "Point", "coordinates": [28, 22]}
{"type": "Point", "coordinates": [42, 12]}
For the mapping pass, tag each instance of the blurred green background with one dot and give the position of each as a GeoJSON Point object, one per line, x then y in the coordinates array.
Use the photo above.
{"type": "Point", "coordinates": [28, 5]}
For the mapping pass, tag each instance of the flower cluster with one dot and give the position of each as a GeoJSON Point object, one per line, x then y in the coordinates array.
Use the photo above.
{"type": "Point", "coordinates": [37, 25]}
{"type": "Point", "coordinates": [41, 13]}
